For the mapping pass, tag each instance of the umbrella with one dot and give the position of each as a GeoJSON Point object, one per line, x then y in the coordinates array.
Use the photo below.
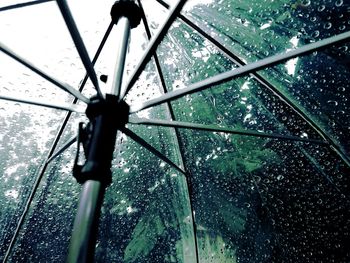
{"type": "Point", "coordinates": [229, 121]}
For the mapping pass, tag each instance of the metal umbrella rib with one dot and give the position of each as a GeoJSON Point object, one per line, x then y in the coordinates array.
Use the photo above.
{"type": "Point", "coordinates": [152, 46]}
{"type": "Point", "coordinates": [41, 73]}
{"type": "Point", "coordinates": [62, 149]}
{"type": "Point", "coordinates": [71, 108]}
{"type": "Point", "coordinates": [72, 27]}
{"type": "Point", "coordinates": [19, 5]}
{"type": "Point", "coordinates": [235, 59]}
{"type": "Point", "coordinates": [214, 128]}
{"type": "Point", "coordinates": [150, 148]}
{"type": "Point", "coordinates": [97, 53]}
{"type": "Point", "coordinates": [263, 81]}
{"type": "Point", "coordinates": [253, 67]}
{"type": "Point", "coordinates": [178, 138]}
{"type": "Point", "coordinates": [238, 72]}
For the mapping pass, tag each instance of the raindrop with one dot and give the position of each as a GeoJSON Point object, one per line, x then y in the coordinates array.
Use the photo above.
{"type": "Point", "coordinates": [280, 177]}
{"type": "Point", "coordinates": [327, 25]}
{"type": "Point", "coordinates": [306, 3]}
{"type": "Point", "coordinates": [321, 8]}
{"type": "Point", "coordinates": [304, 135]}
{"type": "Point", "coordinates": [315, 33]}
{"type": "Point", "coordinates": [333, 102]}
{"type": "Point", "coordinates": [313, 19]}
{"type": "Point", "coordinates": [339, 3]}
{"type": "Point", "coordinates": [342, 27]}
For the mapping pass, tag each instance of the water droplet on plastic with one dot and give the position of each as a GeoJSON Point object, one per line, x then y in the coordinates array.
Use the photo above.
{"type": "Point", "coordinates": [315, 33]}
{"type": "Point", "coordinates": [332, 102]}
{"type": "Point", "coordinates": [327, 25]}
{"type": "Point", "coordinates": [321, 8]}
{"type": "Point", "coordinates": [306, 3]}
{"type": "Point", "coordinates": [342, 27]}
{"type": "Point", "coordinates": [339, 3]}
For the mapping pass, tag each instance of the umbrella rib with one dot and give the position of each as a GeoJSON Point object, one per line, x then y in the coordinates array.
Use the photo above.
{"type": "Point", "coordinates": [160, 73]}
{"type": "Point", "coordinates": [161, 77]}
{"type": "Point", "coordinates": [265, 83]}
{"type": "Point", "coordinates": [79, 43]}
{"type": "Point", "coordinates": [178, 141]}
{"type": "Point", "coordinates": [41, 73]}
{"type": "Point", "coordinates": [152, 46]}
{"type": "Point", "coordinates": [156, 59]}
{"type": "Point", "coordinates": [62, 149]}
{"type": "Point", "coordinates": [244, 70]}
{"type": "Point", "coordinates": [19, 5]}
{"type": "Point", "coordinates": [316, 166]}
{"type": "Point", "coordinates": [72, 108]}
{"type": "Point", "coordinates": [214, 128]}
{"type": "Point", "coordinates": [150, 148]}
{"type": "Point", "coordinates": [234, 58]}
{"type": "Point", "coordinates": [98, 51]}
{"type": "Point", "coordinates": [53, 147]}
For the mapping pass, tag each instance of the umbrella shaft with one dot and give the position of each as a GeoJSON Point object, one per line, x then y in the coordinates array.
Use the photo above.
{"type": "Point", "coordinates": [123, 29]}
{"type": "Point", "coordinates": [83, 239]}
{"type": "Point", "coordinates": [100, 154]}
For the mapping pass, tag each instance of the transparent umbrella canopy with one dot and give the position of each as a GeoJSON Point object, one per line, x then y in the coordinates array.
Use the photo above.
{"type": "Point", "coordinates": [183, 131]}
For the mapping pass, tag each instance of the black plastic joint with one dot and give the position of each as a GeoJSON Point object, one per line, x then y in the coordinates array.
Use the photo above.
{"type": "Point", "coordinates": [106, 117]}
{"type": "Point", "coordinates": [93, 171]}
{"type": "Point", "coordinates": [127, 8]}
{"type": "Point", "coordinates": [111, 106]}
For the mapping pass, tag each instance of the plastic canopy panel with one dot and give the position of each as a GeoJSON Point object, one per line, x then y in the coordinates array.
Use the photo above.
{"type": "Point", "coordinates": [225, 167]}
{"type": "Point", "coordinates": [285, 25]}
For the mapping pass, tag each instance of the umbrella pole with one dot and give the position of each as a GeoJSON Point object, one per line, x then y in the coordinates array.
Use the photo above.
{"type": "Point", "coordinates": [84, 231]}
{"type": "Point", "coordinates": [106, 116]}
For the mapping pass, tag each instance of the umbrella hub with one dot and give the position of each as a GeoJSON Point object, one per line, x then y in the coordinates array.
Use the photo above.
{"type": "Point", "coordinates": [126, 8]}
{"type": "Point", "coordinates": [111, 107]}
{"type": "Point", "coordinates": [106, 117]}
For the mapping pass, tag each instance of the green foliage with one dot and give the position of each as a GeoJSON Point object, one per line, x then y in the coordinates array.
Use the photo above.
{"type": "Point", "coordinates": [145, 236]}
{"type": "Point", "coordinates": [249, 156]}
